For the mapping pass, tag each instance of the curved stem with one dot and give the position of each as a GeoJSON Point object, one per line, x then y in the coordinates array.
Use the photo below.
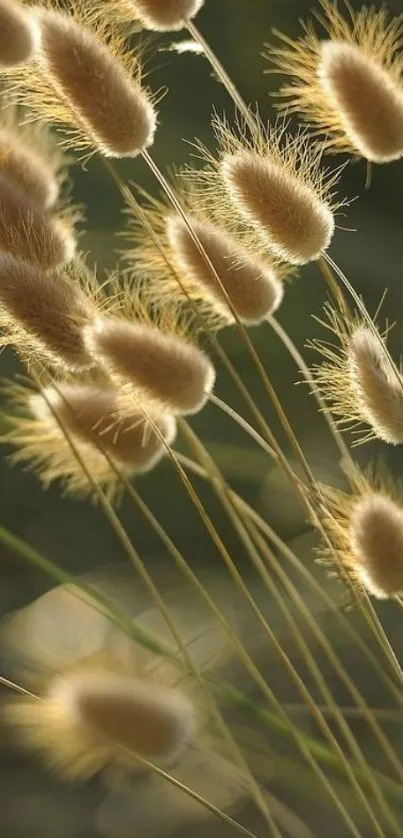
{"type": "Point", "coordinates": [223, 76]}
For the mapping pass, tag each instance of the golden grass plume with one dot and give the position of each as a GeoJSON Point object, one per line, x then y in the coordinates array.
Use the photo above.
{"type": "Point", "coordinates": [158, 15]}
{"type": "Point", "coordinates": [87, 80]}
{"type": "Point", "coordinates": [359, 380]}
{"type": "Point", "coordinates": [19, 35]}
{"type": "Point", "coordinates": [366, 530]}
{"type": "Point", "coordinates": [271, 185]}
{"type": "Point", "coordinates": [348, 85]}
{"type": "Point", "coordinates": [162, 248]}
{"type": "Point", "coordinates": [93, 420]}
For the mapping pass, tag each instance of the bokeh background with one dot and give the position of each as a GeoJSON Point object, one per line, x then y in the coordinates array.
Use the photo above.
{"type": "Point", "coordinates": [75, 535]}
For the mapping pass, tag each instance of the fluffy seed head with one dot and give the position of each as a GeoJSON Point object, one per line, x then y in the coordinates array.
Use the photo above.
{"type": "Point", "coordinates": [91, 414]}
{"type": "Point", "coordinates": [269, 189]}
{"type": "Point", "coordinates": [30, 157]}
{"type": "Point", "coordinates": [43, 314]}
{"type": "Point", "coordinates": [359, 379]}
{"type": "Point", "coordinates": [350, 84]}
{"type": "Point", "coordinates": [94, 422]}
{"type": "Point", "coordinates": [152, 722]}
{"type": "Point", "coordinates": [297, 224]}
{"type": "Point", "coordinates": [94, 86]}
{"type": "Point", "coordinates": [29, 233]}
{"type": "Point", "coordinates": [252, 286]}
{"type": "Point", "coordinates": [159, 15]}
{"type": "Point", "coordinates": [378, 385]}
{"type": "Point", "coordinates": [18, 34]}
{"type": "Point", "coordinates": [164, 370]}
{"type": "Point", "coordinates": [376, 533]}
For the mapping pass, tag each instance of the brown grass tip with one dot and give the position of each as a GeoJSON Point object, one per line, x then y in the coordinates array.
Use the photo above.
{"type": "Point", "coordinates": [19, 36]}
{"type": "Point", "coordinates": [104, 96]}
{"type": "Point", "coordinates": [252, 286]}
{"type": "Point", "coordinates": [376, 537]}
{"type": "Point", "coordinates": [154, 368]}
{"type": "Point", "coordinates": [43, 315]}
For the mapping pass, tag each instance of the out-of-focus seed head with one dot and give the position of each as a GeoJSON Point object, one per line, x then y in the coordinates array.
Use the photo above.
{"type": "Point", "coordinates": [163, 370]}
{"type": "Point", "coordinates": [91, 414]}
{"type": "Point", "coordinates": [29, 233]}
{"type": "Point", "coordinates": [85, 79]}
{"type": "Point", "coordinates": [359, 379]}
{"type": "Point", "coordinates": [18, 34]}
{"type": "Point", "coordinates": [158, 15]}
{"type": "Point", "coordinates": [272, 186]}
{"type": "Point", "coordinates": [376, 534]}
{"type": "Point", "coordinates": [252, 286]}
{"type": "Point", "coordinates": [348, 85]}
{"type": "Point", "coordinates": [153, 723]}
{"type": "Point", "coordinates": [43, 315]}
{"type": "Point", "coordinates": [30, 157]}
{"type": "Point", "coordinates": [48, 428]}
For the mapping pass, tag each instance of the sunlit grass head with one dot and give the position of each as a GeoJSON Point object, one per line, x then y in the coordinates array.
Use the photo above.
{"type": "Point", "coordinates": [365, 528]}
{"type": "Point", "coordinates": [161, 247]}
{"type": "Point", "coordinates": [87, 80]}
{"type": "Point", "coordinates": [158, 15]}
{"type": "Point", "coordinates": [347, 83]}
{"type": "Point", "coordinates": [150, 354]}
{"type": "Point", "coordinates": [19, 36]}
{"type": "Point", "coordinates": [272, 186]}
{"type": "Point", "coordinates": [30, 156]}
{"type": "Point", "coordinates": [47, 429]}
{"type": "Point", "coordinates": [358, 379]}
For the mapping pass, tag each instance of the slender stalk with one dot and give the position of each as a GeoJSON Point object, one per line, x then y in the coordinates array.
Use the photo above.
{"type": "Point", "coordinates": [139, 566]}
{"type": "Point", "coordinates": [219, 487]}
{"type": "Point", "coordinates": [223, 76]}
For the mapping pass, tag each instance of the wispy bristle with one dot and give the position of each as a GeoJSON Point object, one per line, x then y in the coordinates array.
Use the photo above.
{"type": "Point", "coordinates": [43, 314]}
{"type": "Point", "coordinates": [159, 15]}
{"type": "Point", "coordinates": [107, 101]}
{"type": "Point", "coordinates": [18, 34]}
{"type": "Point", "coordinates": [91, 414]}
{"type": "Point", "coordinates": [162, 369]}
{"type": "Point", "coordinates": [376, 532]}
{"type": "Point", "coordinates": [297, 224]}
{"type": "Point", "coordinates": [29, 233]}
{"type": "Point", "coordinates": [252, 286]}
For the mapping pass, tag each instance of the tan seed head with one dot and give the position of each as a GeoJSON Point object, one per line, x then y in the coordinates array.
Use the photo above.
{"type": "Point", "coordinates": [43, 314]}
{"type": "Point", "coordinates": [30, 171]}
{"type": "Point", "coordinates": [91, 414]}
{"type": "Point", "coordinates": [163, 369]}
{"type": "Point", "coordinates": [376, 537]}
{"type": "Point", "coordinates": [163, 15]}
{"type": "Point", "coordinates": [377, 386]}
{"type": "Point", "coordinates": [252, 286]}
{"type": "Point", "coordinates": [153, 722]}
{"type": "Point", "coordinates": [29, 233]}
{"type": "Point", "coordinates": [368, 100]}
{"type": "Point", "coordinates": [296, 223]}
{"type": "Point", "coordinates": [18, 34]}
{"type": "Point", "coordinates": [108, 102]}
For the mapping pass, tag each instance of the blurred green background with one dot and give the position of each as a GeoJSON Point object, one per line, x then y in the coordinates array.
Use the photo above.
{"type": "Point", "coordinates": [75, 534]}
